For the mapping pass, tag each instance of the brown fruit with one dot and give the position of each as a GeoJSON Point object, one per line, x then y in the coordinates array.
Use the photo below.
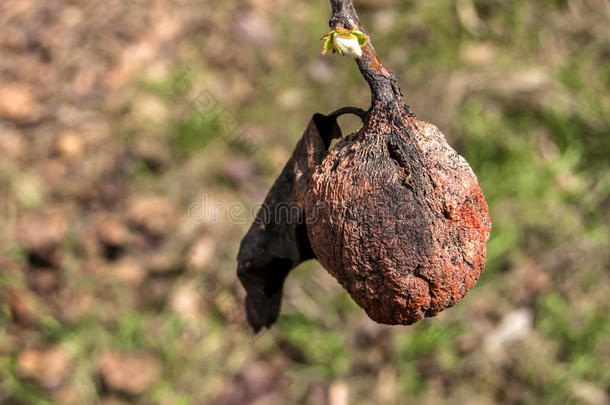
{"type": "Point", "coordinates": [397, 217]}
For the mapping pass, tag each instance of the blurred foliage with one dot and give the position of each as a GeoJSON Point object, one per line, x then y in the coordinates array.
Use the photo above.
{"type": "Point", "coordinates": [520, 88]}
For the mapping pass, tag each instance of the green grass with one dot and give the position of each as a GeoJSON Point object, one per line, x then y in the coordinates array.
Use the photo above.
{"type": "Point", "coordinates": [541, 156]}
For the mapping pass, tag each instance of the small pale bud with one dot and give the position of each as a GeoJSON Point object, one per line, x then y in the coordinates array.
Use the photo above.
{"type": "Point", "coordinates": [348, 44]}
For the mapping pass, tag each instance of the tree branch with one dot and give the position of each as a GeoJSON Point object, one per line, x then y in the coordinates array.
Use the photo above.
{"type": "Point", "coordinates": [383, 83]}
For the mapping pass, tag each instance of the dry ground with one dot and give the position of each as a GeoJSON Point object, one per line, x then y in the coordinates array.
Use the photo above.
{"type": "Point", "coordinates": [122, 201]}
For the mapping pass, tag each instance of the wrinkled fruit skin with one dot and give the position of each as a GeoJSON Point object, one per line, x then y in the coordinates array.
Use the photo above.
{"type": "Point", "coordinates": [398, 218]}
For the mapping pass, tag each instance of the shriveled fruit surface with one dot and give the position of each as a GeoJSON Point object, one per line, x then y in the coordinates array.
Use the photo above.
{"type": "Point", "coordinates": [398, 218]}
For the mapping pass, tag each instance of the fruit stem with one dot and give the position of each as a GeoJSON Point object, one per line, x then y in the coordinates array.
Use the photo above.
{"type": "Point", "coordinates": [383, 83]}
{"type": "Point", "coordinates": [348, 110]}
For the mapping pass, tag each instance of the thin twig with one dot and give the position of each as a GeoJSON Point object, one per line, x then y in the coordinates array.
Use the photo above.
{"type": "Point", "coordinates": [383, 83]}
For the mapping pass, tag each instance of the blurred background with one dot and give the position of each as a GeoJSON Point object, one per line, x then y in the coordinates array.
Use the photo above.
{"type": "Point", "coordinates": [136, 138]}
